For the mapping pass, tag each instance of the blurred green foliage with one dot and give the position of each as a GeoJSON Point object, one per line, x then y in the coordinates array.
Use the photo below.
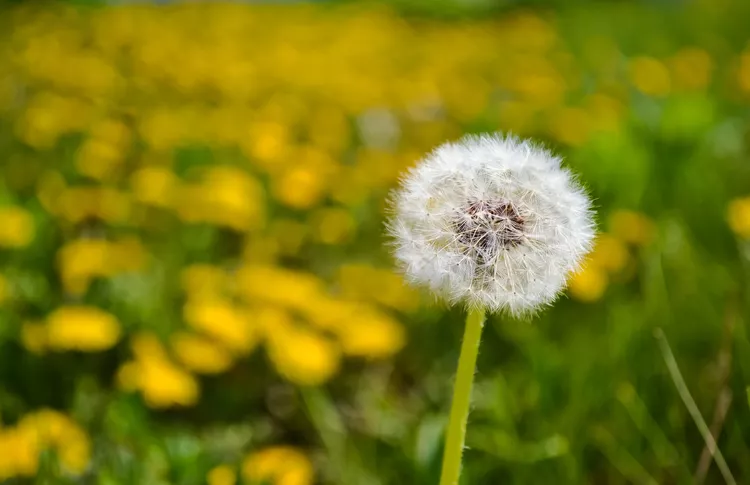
{"type": "Point", "coordinates": [195, 286]}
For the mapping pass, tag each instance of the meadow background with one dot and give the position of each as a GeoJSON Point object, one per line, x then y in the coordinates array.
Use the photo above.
{"type": "Point", "coordinates": [194, 286]}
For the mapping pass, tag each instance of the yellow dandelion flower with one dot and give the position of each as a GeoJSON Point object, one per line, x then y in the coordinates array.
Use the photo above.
{"type": "Point", "coordinates": [50, 187]}
{"type": "Point", "coordinates": [77, 204]}
{"type": "Point", "coordinates": [75, 452]}
{"type": "Point", "coordinates": [302, 356]}
{"type": "Point", "coordinates": [163, 384]}
{"type": "Point", "coordinates": [63, 434]}
{"type": "Point", "coordinates": [329, 313]}
{"type": "Point", "coordinates": [372, 335]}
{"type": "Point", "coordinates": [650, 76]}
{"type": "Point", "coordinates": [203, 281]}
{"type": "Point", "coordinates": [588, 284]}
{"type": "Point", "coordinates": [235, 199]}
{"type": "Point", "coordinates": [267, 144]}
{"type": "Point", "coordinates": [127, 254]}
{"type": "Point", "coordinates": [329, 128]}
{"type": "Point", "coordinates": [279, 465]}
{"type": "Point", "coordinates": [743, 72]}
{"type": "Point", "coordinates": [4, 289]}
{"type": "Point", "coordinates": [738, 215]}
{"type": "Point", "coordinates": [691, 68]}
{"type": "Point", "coordinates": [278, 285]}
{"type": "Point", "coordinates": [99, 159]}
{"type": "Point", "coordinates": [128, 376]}
{"type": "Point", "coordinates": [112, 205]}
{"type": "Point", "coordinates": [19, 453]}
{"type": "Point", "coordinates": [34, 337]}
{"type": "Point", "coordinates": [223, 321]}
{"type": "Point", "coordinates": [82, 260]}
{"type": "Point", "coordinates": [332, 225]}
{"type": "Point", "coordinates": [609, 253]}
{"type": "Point", "coordinates": [200, 354]}
{"type": "Point", "coordinates": [632, 227]}
{"type": "Point", "coordinates": [154, 186]}
{"type": "Point", "coordinates": [221, 475]}
{"type": "Point", "coordinates": [161, 129]}
{"type": "Point", "coordinates": [299, 187]}
{"type": "Point", "coordinates": [570, 125]}
{"type": "Point", "coordinates": [17, 229]}
{"type": "Point", "coordinates": [56, 430]}
{"type": "Point", "coordinates": [82, 328]}
{"type": "Point", "coordinates": [366, 283]}
{"type": "Point", "coordinates": [606, 112]}
{"type": "Point", "coordinates": [112, 131]}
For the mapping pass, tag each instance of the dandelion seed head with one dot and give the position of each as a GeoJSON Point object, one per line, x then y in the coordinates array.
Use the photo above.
{"type": "Point", "coordinates": [492, 221]}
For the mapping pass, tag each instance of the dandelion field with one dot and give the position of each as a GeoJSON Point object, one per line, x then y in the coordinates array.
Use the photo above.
{"type": "Point", "coordinates": [195, 284]}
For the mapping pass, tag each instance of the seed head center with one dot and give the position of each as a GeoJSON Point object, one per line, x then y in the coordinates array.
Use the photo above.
{"type": "Point", "coordinates": [489, 225]}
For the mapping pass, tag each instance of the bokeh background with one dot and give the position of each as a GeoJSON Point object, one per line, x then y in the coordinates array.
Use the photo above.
{"type": "Point", "coordinates": [194, 286]}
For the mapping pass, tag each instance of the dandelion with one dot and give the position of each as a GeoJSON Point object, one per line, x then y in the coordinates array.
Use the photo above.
{"type": "Point", "coordinates": [496, 223]}
{"type": "Point", "coordinates": [493, 222]}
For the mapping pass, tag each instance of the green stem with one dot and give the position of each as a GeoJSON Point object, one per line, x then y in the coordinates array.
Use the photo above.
{"type": "Point", "coordinates": [454, 441]}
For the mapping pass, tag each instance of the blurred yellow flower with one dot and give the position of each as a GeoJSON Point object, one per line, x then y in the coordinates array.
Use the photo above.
{"type": "Point", "coordinates": [200, 354]}
{"type": "Point", "coordinates": [278, 465]}
{"type": "Point", "coordinates": [605, 111]}
{"type": "Point", "coordinates": [743, 72]}
{"type": "Point", "coordinates": [4, 289]}
{"type": "Point", "coordinates": [82, 328]}
{"type": "Point", "coordinates": [34, 337]}
{"type": "Point", "coordinates": [329, 313]}
{"type": "Point", "coordinates": [332, 225]}
{"type": "Point", "coordinates": [738, 216]}
{"type": "Point", "coordinates": [154, 186]}
{"type": "Point", "coordinates": [266, 143]}
{"type": "Point", "coordinates": [299, 187]}
{"type": "Point", "coordinates": [302, 356]}
{"type": "Point", "coordinates": [58, 431]}
{"type": "Point", "coordinates": [235, 198]}
{"type": "Point", "coordinates": [49, 116]}
{"type": "Point", "coordinates": [650, 76]}
{"type": "Point", "coordinates": [570, 125]}
{"type": "Point", "coordinates": [691, 68]}
{"type": "Point", "coordinates": [223, 321]}
{"type": "Point", "coordinates": [19, 453]}
{"type": "Point", "coordinates": [203, 281]}
{"type": "Point", "coordinates": [278, 285]}
{"type": "Point", "coordinates": [588, 284]}
{"type": "Point", "coordinates": [47, 428]}
{"type": "Point", "coordinates": [632, 227]}
{"type": "Point", "coordinates": [112, 131]}
{"type": "Point", "coordinates": [17, 229]}
{"type": "Point", "coordinates": [226, 196]}
{"type": "Point", "coordinates": [77, 204]}
{"type": "Point", "coordinates": [366, 283]}
{"type": "Point", "coordinates": [609, 253]}
{"type": "Point", "coordinates": [82, 260]}
{"type": "Point", "coordinates": [221, 475]}
{"type": "Point", "coordinates": [99, 159]}
{"type": "Point", "coordinates": [50, 187]}
{"type": "Point", "coordinates": [372, 335]}
{"type": "Point", "coordinates": [162, 383]}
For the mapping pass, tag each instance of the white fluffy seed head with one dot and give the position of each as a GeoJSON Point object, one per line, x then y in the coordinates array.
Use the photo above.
{"type": "Point", "coordinates": [491, 221]}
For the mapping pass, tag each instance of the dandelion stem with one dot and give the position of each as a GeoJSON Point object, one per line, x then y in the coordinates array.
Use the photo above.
{"type": "Point", "coordinates": [454, 441]}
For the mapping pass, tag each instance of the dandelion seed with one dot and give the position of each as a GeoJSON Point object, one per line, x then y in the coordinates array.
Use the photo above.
{"type": "Point", "coordinates": [492, 221]}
